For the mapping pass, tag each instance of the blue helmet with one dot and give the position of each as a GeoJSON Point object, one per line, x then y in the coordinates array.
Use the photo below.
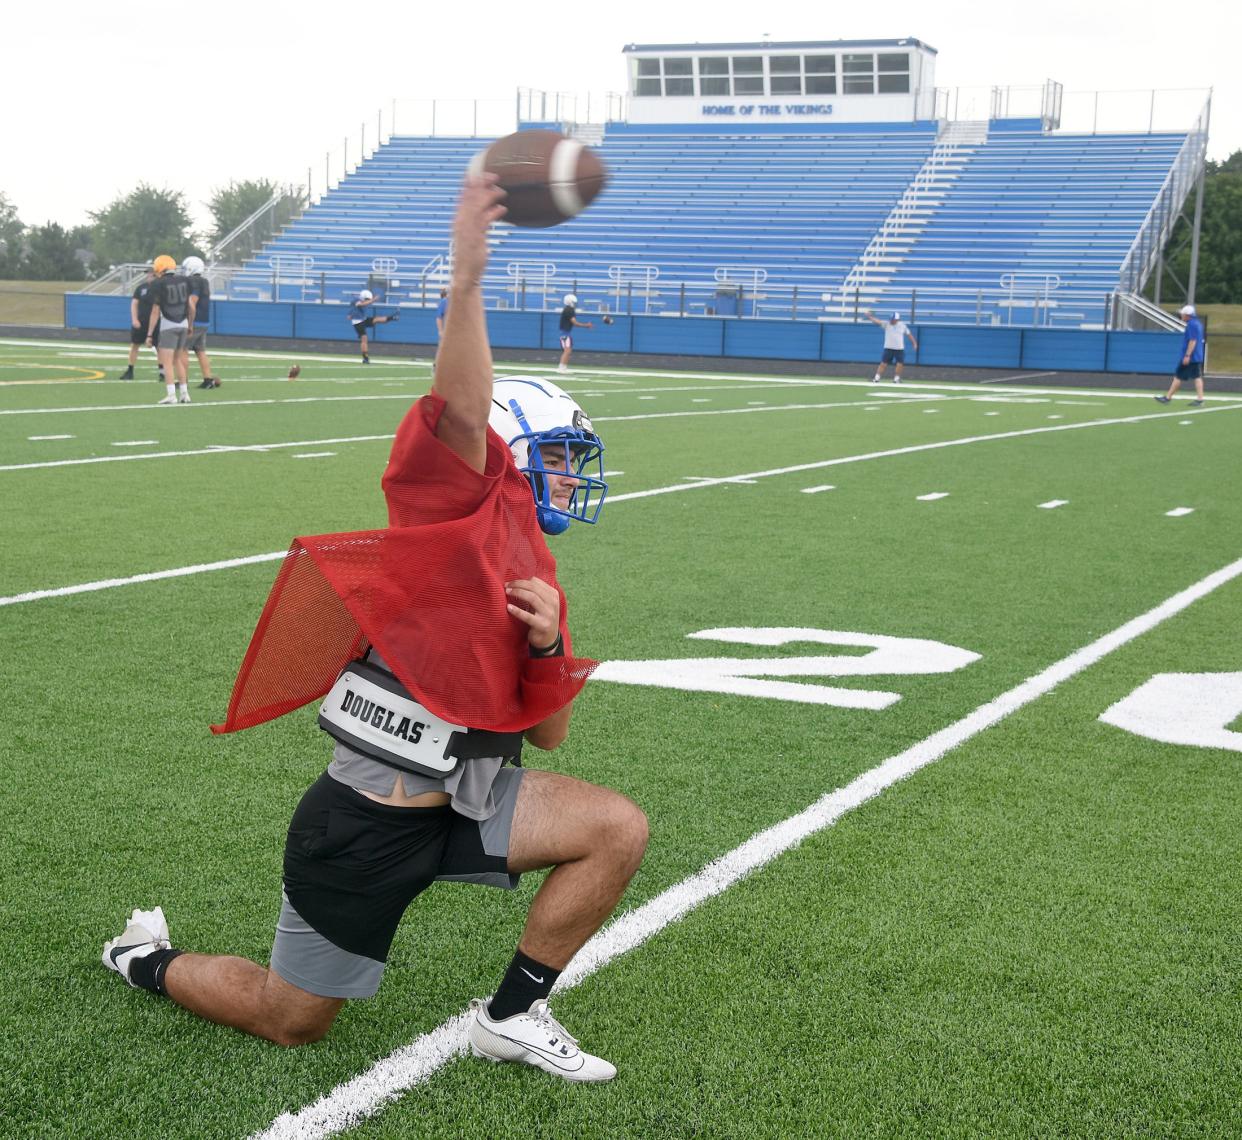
{"type": "Point", "coordinates": [530, 416]}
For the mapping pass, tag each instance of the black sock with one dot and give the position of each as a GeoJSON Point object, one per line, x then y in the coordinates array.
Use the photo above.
{"type": "Point", "coordinates": [525, 982]}
{"type": "Point", "coordinates": [148, 973]}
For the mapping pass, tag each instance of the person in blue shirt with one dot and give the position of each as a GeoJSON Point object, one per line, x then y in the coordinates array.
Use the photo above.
{"type": "Point", "coordinates": [441, 312]}
{"type": "Point", "coordinates": [1190, 366]}
{"type": "Point", "coordinates": [362, 319]}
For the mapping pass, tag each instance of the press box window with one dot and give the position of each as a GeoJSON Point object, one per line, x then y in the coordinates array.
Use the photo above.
{"type": "Point", "coordinates": [748, 65]}
{"type": "Point", "coordinates": [748, 85]}
{"type": "Point", "coordinates": [647, 87]}
{"type": "Point", "coordinates": [821, 84]}
{"type": "Point", "coordinates": [894, 77]}
{"type": "Point", "coordinates": [785, 65]}
{"type": "Point", "coordinates": [821, 64]}
{"type": "Point", "coordinates": [786, 85]}
{"type": "Point", "coordinates": [713, 65]}
{"type": "Point", "coordinates": [679, 86]}
{"type": "Point", "coordinates": [649, 67]}
{"type": "Point", "coordinates": [678, 67]}
{"type": "Point", "coordinates": [714, 86]}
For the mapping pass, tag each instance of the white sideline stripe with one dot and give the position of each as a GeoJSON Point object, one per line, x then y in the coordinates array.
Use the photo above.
{"type": "Point", "coordinates": [224, 448]}
{"type": "Point", "coordinates": [154, 576]}
{"type": "Point", "coordinates": [90, 586]}
{"type": "Point", "coordinates": [910, 451]}
{"type": "Point", "coordinates": [313, 454]}
{"type": "Point", "coordinates": [212, 449]}
{"type": "Point", "coordinates": [349, 1103]}
{"type": "Point", "coordinates": [1021, 376]}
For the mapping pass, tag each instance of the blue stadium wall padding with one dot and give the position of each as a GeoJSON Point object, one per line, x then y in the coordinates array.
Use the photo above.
{"type": "Point", "coordinates": [254, 318]}
{"type": "Point", "coordinates": [852, 342]}
{"type": "Point", "coordinates": [1051, 348]}
{"type": "Point", "coordinates": [966, 346]}
{"type": "Point", "coordinates": [1143, 352]}
{"type": "Point", "coordinates": [783, 340]}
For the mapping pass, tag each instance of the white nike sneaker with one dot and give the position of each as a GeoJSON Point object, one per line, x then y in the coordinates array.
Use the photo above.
{"type": "Point", "coordinates": [534, 1038]}
{"type": "Point", "coordinates": [147, 931]}
{"type": "Point", "coordinates": [167, 400]}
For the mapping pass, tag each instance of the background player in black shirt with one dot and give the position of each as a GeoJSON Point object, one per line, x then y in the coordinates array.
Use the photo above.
{"type": "Point", "coordinates": [139, 317]}
{"type": "Point", "coordinates": [200, 288]}
{"type": "Point", "coordinates": [569, 322]}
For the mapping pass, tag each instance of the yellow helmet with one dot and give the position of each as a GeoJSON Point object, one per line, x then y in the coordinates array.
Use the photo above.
{"type": "Point", "coordinates": [164, 264]}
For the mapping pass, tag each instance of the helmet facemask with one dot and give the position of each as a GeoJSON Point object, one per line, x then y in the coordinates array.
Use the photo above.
{"type": "Point", "coordinates": [579, 455]}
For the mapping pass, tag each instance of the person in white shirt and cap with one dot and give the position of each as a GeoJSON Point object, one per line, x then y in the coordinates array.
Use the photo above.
{"type": "Point", "coordinates": [895, 332]}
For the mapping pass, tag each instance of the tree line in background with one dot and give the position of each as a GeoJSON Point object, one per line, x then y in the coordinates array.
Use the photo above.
{"type": "Point", "coordinates": [135, 227]}
{"type": "Point", "coordinates": [1220, 237]}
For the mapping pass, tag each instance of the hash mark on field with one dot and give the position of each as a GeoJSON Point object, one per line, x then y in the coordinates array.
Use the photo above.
{"type": "Point", "coordinates": [41, 438]}
{"type": "Point", "coordinates": [755, 403]}
{"type": "Point", "coordinates": [1181, 423]}
{"type": "Point", "coordinates": [701, 400]}
{"type": "Point", "coordinates": [135, 443]}
{"type": "Point", "coordinates": [930, 411]}
{"type": "Point", "coordinates": [1052, 504]}
{"type": "Point", "coordinates": [646, 397]}
{"type": "Point", "coordinates": [816, 490]}
{"type": "Point", "coordinates": [932, 495]}
{"type": "Point", "coordinates": [1178, 512]}
{"type": "Point", "coordinates": [313, 455]}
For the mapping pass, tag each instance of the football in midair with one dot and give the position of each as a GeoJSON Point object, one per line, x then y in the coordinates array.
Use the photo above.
{"type": "Point", "coordinates": [295, 372]}
{"type": "Point", "coordinates": [547, 177]}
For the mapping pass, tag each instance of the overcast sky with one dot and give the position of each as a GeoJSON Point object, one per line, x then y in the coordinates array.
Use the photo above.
{"type": "Point", "coordinates": [95, 98]}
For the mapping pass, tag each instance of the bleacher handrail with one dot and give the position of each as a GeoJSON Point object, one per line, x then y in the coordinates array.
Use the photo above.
{"type": "Point", "coordinates": [1157, 226]}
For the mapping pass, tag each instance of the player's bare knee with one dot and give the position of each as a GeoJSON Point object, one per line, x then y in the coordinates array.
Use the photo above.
{"type": "Point", "coordinates": [302, 1029]}
{"type": "Point", "coordinates": [625, 831]}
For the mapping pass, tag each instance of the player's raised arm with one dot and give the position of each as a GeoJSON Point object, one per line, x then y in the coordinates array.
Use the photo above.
{"type": "Point", "coordinates": [464, 363]}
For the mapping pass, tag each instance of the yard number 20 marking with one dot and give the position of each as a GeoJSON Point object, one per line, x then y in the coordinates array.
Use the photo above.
{"type": "Point", "coordinates": [743, 676]}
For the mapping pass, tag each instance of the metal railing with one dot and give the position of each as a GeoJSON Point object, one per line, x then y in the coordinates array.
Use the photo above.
{"type": "Point", "coordinates": [1157, 227]}
{"type": "Point", "coordinates": [265, 223]}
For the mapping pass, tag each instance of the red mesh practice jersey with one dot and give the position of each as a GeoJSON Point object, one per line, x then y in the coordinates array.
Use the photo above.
{"type": "Point", "coordinates": [428, 593]}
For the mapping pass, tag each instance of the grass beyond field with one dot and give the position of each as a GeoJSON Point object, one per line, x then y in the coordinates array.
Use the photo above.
{"type": "Point", "coordinates": [910, 883]}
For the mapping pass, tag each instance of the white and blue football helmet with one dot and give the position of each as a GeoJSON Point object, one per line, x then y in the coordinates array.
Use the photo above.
{"type": "Point", "coordinates": [531, 414]}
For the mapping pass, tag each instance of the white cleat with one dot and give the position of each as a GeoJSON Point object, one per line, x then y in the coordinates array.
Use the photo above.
{"type": "Point", "coordinates": [167, 400]}
{"type": "Point", "coordinates": [146, 931]}
{"type": "Point", "coordinates": [184, 398]}
{"type": "Point", "coordinates": [561, 368]}
{"type": "Point", "coordinates": [534, 1038]}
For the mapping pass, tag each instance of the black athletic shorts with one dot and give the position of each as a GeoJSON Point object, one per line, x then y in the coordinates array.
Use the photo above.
{"type": "Point", "coordinates": [353, 866]}
{"type": "Point", "coordinates": [1190, 371]}
{"type": "Point", "coordinates": [360, 327]}
{"type": "Point", "coordinates": [139, 335]}
{"type": "Point", "coordinates": [893, 356]}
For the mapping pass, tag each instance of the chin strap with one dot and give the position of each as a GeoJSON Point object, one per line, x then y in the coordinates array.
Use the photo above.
{"type": "Point", "coordinates": [552, 522]}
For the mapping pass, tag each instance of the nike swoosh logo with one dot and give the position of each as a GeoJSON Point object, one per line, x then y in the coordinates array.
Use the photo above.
{"type": "Point", "coordinates": [530, 975]}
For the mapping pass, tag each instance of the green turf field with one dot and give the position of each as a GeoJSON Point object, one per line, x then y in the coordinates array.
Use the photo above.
{"type": "Point", "coordinates": [1014, 918]}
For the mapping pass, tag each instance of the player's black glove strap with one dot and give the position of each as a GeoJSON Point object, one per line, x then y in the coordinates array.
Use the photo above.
{"type": "Point", "coordinates": [556, 649]}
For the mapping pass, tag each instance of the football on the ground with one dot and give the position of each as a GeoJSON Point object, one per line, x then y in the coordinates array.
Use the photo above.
{"type": "Point", "coordinates": [295, 372]}
{"type": "Point", "coordinates": [547, 177]}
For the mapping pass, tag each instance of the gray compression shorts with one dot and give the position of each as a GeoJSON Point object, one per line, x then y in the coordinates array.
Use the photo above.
{"type": "Point", "coordinates": [326, 901]}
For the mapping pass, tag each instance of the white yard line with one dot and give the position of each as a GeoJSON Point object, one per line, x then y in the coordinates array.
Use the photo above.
{"type": "Point", "coordinates": [154, 576]}
{"type": "Point", "coordinates": [1052, 504]}
{"type": "Point", "coordinates": [1020, 376]}
{"type": "Point", "coordinates": [349, 1103]}
{"type": "Point", "coordinates": [669, 490]}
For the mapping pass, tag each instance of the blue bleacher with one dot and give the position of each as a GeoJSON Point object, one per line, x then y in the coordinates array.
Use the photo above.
{"type": "Point", "coordinates": [800, 207]}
